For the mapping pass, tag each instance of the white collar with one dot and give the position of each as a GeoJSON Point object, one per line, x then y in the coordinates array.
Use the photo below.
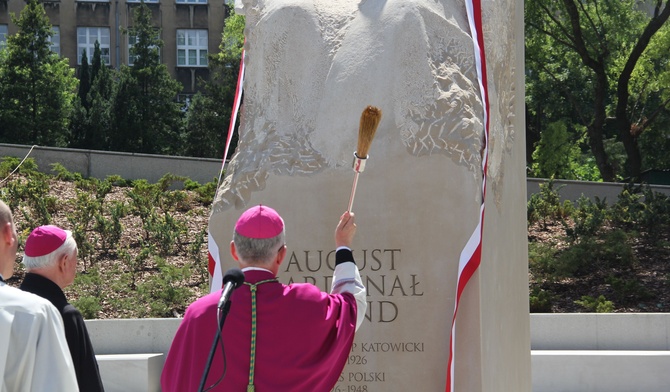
{"type": "Point", "coordinates": [255, 269]}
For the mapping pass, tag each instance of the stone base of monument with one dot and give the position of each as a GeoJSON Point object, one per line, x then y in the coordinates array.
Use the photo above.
{"type": "Point", "coordinates": [600, 352]}
{"type": "Point", "coordinates": [131, 372]}
{"type": "Point", "coordinates": [600, 370]}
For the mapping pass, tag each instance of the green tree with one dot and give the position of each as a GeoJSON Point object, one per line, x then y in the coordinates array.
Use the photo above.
{"type": "Point", "coordinates": [558, 156]}
{"type": "Point", "coordinates": [79, 122]}
{"type": "Point", "coordinates": [96, 64]}
{"type": "Point", "coordinates": [145, 115]}
{"type": "Point", "coordinates": [84, 80]}
{"type": "Point", "coordinates": [100, 113]}
{"type": "Point", "coordinates": [91, 122]}
{"type": "Point", "coordinates": [600, 63]}
{"type": "Point", "coordinates": [37, 87]}
{"type": "Point", "coordinates": [209, 114]}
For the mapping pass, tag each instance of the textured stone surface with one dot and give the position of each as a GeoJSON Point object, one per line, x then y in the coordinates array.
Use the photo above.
{"type": "Point", "coordinates": [312, 67]}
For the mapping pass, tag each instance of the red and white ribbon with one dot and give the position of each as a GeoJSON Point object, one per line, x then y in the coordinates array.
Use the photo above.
{"type": "Point", "coordinates": [214, 263]}
{"type": "Point", "coordinates": [471, 254]}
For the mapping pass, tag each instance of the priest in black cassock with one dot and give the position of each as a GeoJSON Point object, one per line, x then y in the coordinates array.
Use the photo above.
{"type": "Point", "coordinates": [51, 264]}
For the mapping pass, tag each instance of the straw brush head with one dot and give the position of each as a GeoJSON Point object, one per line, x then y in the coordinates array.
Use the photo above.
{"type": "Point", "coordinates": [370, 119]}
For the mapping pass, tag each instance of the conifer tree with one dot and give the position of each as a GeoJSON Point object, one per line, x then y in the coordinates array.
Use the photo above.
{"type": "Point", "coordinates": [37, 87]}
{"type": "Point", "coordinates": [145, 115]}
{"type": "Point", "coordinates": [209, 114]}
{"type": "Point", "coordinates": [84, 80]}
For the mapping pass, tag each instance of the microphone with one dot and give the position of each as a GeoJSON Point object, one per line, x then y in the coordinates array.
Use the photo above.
{"type": "Point", "coordinates": [232, 279]}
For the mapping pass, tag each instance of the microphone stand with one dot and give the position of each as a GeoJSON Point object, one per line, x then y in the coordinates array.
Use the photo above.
{"type": "Point", "coordinates": [217, 336]}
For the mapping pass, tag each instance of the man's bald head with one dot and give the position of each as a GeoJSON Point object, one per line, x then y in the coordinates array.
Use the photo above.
{"type": "Point", "coordinates": [8, 241]}
{"type": "Point", "coordinates": [5, 214]}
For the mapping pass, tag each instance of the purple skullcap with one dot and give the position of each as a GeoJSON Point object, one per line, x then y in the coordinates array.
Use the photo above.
{"type": "Point", "coordinates": [260, 222]}
{"type": "Point", "coordinates": [44, 240]}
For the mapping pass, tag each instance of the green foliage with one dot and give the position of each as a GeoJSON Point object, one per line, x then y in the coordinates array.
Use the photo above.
{"type": "Point", "coordinates": [641, 209]}
{"type": "Point", "coordinates": [165, 290]}
{"type": "Point", "coordinates": [84, 80]}
{"type": "Point", "coordinates": [144, 114]}
{"type": "Point", "coordinates": [98, 122]}
{"type": "Point", "coordinates": [627, 290]}
{"type": "Point", "coordinates": [597, 247]}
{"type": "Point", "coordinates": [28, 196]}
{"type": "Point", "coordinates": [540, 301]}
{"type": "Point", "coordinates": [205, 192]}
{"type": "Point", "coordinates": [37, 87]}
{"type": "Point", "coordinates": [110, 229]}
{"type": "Point", "coordinates": [123, 272]}
{"type": "Point", "coordinates": [206, 127]}
{"type": "Point", "coordinates": [600, 67]}
{"type": "Point", "coordinates": [136, 263]}
{"type": "Point", "coordinates": [547, 206]}
{"type": "Point", "coordinates": [556, 155]}
{"type": "Point", "coordinates": [62, 173]}
{"type": "Point", "coordinates": [208, 116]}
{"type": "Point", "coordinates": [90, 282]}
{"type": "Point", "coordinates": [195, 253]}
{"type": "Point", "coordinates": [81, 218]}
{"type": "Point", "coordinates": [598, 305]}
{"type": "Point", "coordinates": [9, 164]}
{"type": "Point", "coordinates": [541, 259]}
{"type": "Point", "coordinates": [166, 231]}
{"type": "Point", "coordinates": [604, 251]}
{"type": "Point", "coordinates": [588, 218]}
{"type": "Point", "coordinates": [88, 306]}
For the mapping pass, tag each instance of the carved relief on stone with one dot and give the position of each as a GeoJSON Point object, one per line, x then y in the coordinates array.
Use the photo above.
{"type": "Point", "coordinates": [312, 65]}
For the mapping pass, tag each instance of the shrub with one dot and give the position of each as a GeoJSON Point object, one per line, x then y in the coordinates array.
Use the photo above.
{"type": "Point", "coordinates": [89, 306]}
{"type": "Point", "coordinates": [540, 300]}
{"type": "Point", "coordinates": [598, 305]}
{"type": "Point", "coordinates": [627, 291]}
{"type": "Point", "coordinates": [546, 205]}
{"type": "Point", "coordinates": [588, 218]}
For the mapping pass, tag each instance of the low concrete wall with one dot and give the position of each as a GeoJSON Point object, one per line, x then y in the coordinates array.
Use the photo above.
{"type": "Point", "coordinates": [130, 166]}
{"type": "Point", "coordinates": [600, 371]}
{"type": "Point", "coordinates": [613, 352]}
{"type": "Point", "coordinates": [100, 164]}
{"type": "Point", "coordinates": [573, 190]}
{"type": "Point", "coordinates": [565, 331]}
{"type": "Point", "coordinates": [132, 336]}
{"type": "Point", "coordinates": [600, 331]}
{"type": "Point", "coordinates": [570, 352]}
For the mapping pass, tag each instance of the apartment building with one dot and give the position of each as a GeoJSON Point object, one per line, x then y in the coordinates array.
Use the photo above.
{"type": "Point", "coordinates": [190, 30]}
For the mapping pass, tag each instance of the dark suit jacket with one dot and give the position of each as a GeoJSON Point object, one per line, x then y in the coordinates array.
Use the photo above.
{"type": "Point", "coordinates": [85, 365]}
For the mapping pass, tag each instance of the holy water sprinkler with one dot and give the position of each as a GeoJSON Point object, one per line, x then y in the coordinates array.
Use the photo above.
{"type": "Point", "coordinates": [369, 121]}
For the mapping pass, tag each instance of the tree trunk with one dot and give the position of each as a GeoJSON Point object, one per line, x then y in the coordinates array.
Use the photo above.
{"type": "Point", "coordinates": [595, 130]}
{"type": "Point", "coordinates": [621, 112]}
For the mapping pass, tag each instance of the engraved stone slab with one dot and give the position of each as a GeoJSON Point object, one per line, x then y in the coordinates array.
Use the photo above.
{"type": "Point", "coordinates": [312, 67]}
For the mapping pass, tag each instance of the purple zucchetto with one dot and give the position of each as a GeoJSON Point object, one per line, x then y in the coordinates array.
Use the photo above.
{"type": "Point", "coordinates": [44, 240]}
{"type": "Point", "coordinates": [260, 222]}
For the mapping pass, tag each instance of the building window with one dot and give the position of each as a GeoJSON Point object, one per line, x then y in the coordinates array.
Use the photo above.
{"type": "Point", "coordinates": [92, 1]}
{"type": "Point", "coordinates": [3, 35]}
{"type": "Point", "coordinates": [54, 40]}
{"type": "Point", "coordinates": [132, 40]}
{"type": "Point", "coordinates": [138, 1]}
{"type": "Point", "coordinates": [191, 1]}
{"type": "Point", "coordinates": [185, 101]}
{"type": "Point", "coordinates": [86, 37]}
{"type": "Point", "coordinates": [191, 48]}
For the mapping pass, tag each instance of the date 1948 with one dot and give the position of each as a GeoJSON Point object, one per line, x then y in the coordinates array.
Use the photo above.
{"type": "Point", "coordinates": [350, 388]}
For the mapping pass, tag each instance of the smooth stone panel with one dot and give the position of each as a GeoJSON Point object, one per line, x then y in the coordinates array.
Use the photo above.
{"type": "Point", "coordinates": [132, 336]}
{"type": "Point", "coordinates": [613, 331]}
{"type": "Point", "coordinates": [131, 372]}
{"type": "Point", "coordinates": [600, 371]}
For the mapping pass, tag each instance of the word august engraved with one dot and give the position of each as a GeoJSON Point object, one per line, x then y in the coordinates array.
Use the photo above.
{"type": "Point", "coordinates": [380, 270]}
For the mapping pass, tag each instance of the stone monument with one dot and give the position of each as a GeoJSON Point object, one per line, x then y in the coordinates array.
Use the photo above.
{"type": "Point", "coordinates": [312, 66]}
